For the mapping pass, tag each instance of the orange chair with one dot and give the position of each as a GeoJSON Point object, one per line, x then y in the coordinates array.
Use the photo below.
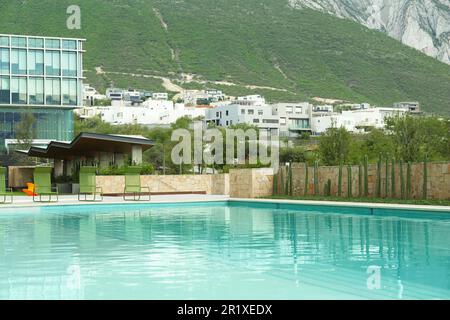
{"type": "Point", "coordinates": [30, 190]}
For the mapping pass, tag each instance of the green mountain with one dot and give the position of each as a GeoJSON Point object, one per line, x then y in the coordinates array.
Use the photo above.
{"type": "Point", "coordinates": [240, 46]}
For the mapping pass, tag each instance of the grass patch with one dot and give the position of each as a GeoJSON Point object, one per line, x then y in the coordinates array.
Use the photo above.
{"type": "Point", "coordinates": [373, 200]}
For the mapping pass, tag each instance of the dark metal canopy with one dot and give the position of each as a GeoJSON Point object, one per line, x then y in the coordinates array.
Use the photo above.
{"type": "Point", "coordinates": [89, 145]}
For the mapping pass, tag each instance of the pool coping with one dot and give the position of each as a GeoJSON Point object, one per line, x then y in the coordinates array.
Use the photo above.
{"type": "Point", "coordinates": [373, 205]}
{"type": "Point", "coordinates": [113, 201]}
{"type": "Point", "coordinates": [104, 203]}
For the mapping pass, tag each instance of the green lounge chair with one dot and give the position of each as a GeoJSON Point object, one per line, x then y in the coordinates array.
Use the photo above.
{"type": "Point", "coordinates": [88, 185]}
{"type": "Point", "coordinates": [4, 190]}
{"type": "Point", "coordinates": [133, 184]}
{"type": "Point", "coordinates": [43, 184]}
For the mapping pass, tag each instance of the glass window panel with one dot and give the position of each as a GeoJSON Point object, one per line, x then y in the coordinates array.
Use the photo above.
{"type": "Point", "coordinates": [18, 42]}
{"type": "Point", "coordinates": [36, 62]}
{"type": "Point", "coordinates": [69, 64]}
{"type": "Point", "coordinates": [22, 62]}
{"type": "Point", "coordinates": [52, 63]}
{"type": "Point", "coordinates": [69, 44]}
{"type": "Point", "coordinates": [4, 61]}
{"type": "Point", "coordinates": [65, 90]}
{"type": "Point", "coordinates": [69, 91]}
{"type": "Point", "coordinates": [52, 43]}
{"type": "Point", "coordinates": [9, 117]}
{"type": "Point", "coordinates": [65, 63]}
{"type": "Point", "coordinates": [56, 91]}
{"type": "Point", "coordinates": [36, 91]}
{"type": "Point", "coordinates": [52, 91]}
{"type": "Point", "coordinates": [80, 65]}
{"type": "Point", "coordinates": [4, 41]}
{"type": "Point", "coordinates": [73, 92]}
{"type": "Point", "coordinates": [19, 90]}
{"type": "Point", "coordinates": [72, 64]}
{"type": "Point", "coordinates": [18, 61]}
{"type": "Point", "coordinates": [35, 42]}
{"type": "Point", "coordinates": [4, 90]}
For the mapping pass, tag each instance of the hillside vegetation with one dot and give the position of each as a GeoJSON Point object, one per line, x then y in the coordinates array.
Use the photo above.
{"type": "Point", "coordinates": [293, 54]}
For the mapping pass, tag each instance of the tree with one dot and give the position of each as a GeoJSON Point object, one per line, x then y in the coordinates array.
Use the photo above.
{"type": "Point", "coordinates": [159, 154]}
{"type": "Point", "coordinates": [414, 137]}
{"type": "Point", "coordinates": [406, 136]}
{"type": "Point", "coordinates": [182, 123]}
{"type": "Point", "coordinates": [295, 154]}
{"type": "Point", "coordinates": [374, 143]}
{"type": "Point", "coordinates": [334, 146]}
{"type": "Point", "coordinates": [25, 129]}
{"type": "Point", "coordinates": [436, 133]}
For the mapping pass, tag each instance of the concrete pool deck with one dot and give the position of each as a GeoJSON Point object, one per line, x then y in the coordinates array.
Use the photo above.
{"type": "Point", "coordinates": [23, 201]}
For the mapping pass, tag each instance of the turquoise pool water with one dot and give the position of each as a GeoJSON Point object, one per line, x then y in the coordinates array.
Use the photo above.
{"type": "Point", "coordinates": [222, 250]}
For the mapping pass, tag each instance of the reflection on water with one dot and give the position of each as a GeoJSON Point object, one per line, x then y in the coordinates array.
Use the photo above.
{"type": "Point", "coordinates": [219, 251]}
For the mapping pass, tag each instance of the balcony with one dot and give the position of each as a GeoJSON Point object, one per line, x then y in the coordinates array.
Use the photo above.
{"type": "Point", "coordinates": [299, 127]}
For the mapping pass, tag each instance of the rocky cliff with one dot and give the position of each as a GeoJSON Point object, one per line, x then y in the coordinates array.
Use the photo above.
{"type": "Point", "coordinates": [421, 24]}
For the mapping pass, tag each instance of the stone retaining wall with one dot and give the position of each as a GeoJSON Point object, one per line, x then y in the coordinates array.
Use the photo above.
{"type": "Point", "coordinates": [438, 182]}
{"type": "Point", "coordinates": [209, 184]}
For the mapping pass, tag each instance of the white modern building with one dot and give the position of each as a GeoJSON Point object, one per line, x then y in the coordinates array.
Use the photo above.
{"type": "Point", "coordinates": [354, 106]}
{"type": "Point", "coordinates": [160, 96]}
{"type": "Point", "coordinates": [413, 107]}
{"type": "Point", "coordinates": [255, 100]}
{"type": "Point", "coordinates": [357, 121]}
{"type": "Point", "coordinates": [201, 97]}
{"type": "Point", "coordinates": [252, 112]}
{"type": "Point", "coordinates": [90, 95]}
{"type": "Point", "coordinates": [150, 112]}
{"type": "Point", "coordinates": [132, 95]}
{"type": "Point", "coordinates": [326, 108]}
{"type": "Point", "coordinates": [114, 94]}
{"type": "Point", "coordinates": [295, 118]}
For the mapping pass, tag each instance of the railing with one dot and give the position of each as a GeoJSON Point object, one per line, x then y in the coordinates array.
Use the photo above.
{"type": "Point", "coordinates": [299, 128]}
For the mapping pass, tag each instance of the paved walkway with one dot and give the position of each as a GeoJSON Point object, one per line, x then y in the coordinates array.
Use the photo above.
{"type": "Point", "coordinates": [23, 201]}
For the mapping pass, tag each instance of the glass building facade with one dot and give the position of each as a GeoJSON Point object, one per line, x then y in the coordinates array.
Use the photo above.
{"type": "Point", "coordinates": [44, 76]}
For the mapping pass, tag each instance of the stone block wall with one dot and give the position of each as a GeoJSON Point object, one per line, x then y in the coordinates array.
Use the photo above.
{"type": "Point", "coordinates": [251, 183]}
{"type": "Point", "coordinates": [220, 184]}
{"type": "Point", "coordinates": [209, 184]}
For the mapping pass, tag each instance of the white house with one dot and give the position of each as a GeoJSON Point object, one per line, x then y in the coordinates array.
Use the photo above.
{"type": "Point", "coordinates": [150, 112]}
{"type": "Point", "coordinates": [413, 107]}
{"type": "Point", "coordinates": [196, 97]}
{"type": "Point", "coordinates": [247, 111]}
{"type": "Point", "coordinates": [90, 95]}
{"type": "Point", "coordinates": [132, 95]}
{"type": "Point", "coordinates": [114, 94]}
{"type": "Point", "coordinates": [357, 121]}
{"type": "Point", "coordinates": [295, 118]}
{"type": "Point", "coordinates": [255, 100]}
{"type": "Point", "coordinates": [160, 96]}
{"type": "Point", "coordinates": [326, 108]}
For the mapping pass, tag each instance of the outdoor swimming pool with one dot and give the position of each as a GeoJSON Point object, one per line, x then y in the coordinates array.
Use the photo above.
{"type": "Point", "coordinates": [222, 250]}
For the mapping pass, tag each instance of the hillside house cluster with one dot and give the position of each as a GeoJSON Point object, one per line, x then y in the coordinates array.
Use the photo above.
{"type": "Point", "coordinates": [214, 107]}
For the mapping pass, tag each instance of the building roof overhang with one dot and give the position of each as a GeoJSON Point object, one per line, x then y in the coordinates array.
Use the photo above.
{"type": "Point", "coordinates": [89, 145]}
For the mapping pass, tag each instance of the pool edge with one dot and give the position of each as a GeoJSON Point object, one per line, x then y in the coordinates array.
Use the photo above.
{"type": "Point", "coordinates": [369, 205]}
